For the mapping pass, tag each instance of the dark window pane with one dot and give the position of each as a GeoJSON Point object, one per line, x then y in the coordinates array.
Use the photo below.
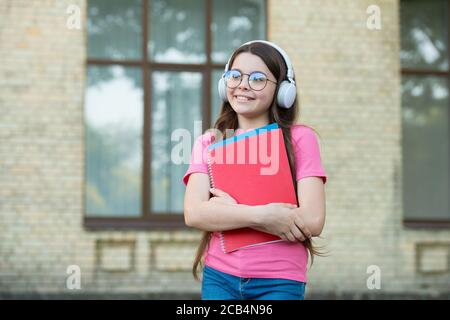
{"type": "Point", "coordinates": [114, 29]}
{"type": "Point", "coordinates": [235, 22]}
{"type": "Point", "coordinates": [177, 31]}
{"type": "Point", "coordinates": [425, 147]}
{"type": "Point", "coordinates": [424, 28]}
{"type": "Point", "coordinates": [113, 117]}
{"type": "Point", "coordinates": [176, 104]}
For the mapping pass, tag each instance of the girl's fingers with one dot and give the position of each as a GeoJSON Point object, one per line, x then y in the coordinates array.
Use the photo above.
{"type": "Point", "coordinates": [299, 236]}
{"type": "Point", "coordinates": [222, 194]}
{"type": "Point", "coordinates": [291, 237]}
{"type": "Point", "coordinates": [303, 228]}
{"type": "Point", "coordinates": [286, 205]}
{"type": "Point", "coordinates": [218, 192]}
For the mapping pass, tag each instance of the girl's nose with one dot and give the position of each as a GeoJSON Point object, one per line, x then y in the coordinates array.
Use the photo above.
{"type": "Point", "coordinates": [244, 83]}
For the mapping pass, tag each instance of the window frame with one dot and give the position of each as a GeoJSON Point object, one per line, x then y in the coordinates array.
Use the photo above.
{"type": "Point", "coordinates": [424, 223]}
{"type": "Point", "coordinates": [149, 220]}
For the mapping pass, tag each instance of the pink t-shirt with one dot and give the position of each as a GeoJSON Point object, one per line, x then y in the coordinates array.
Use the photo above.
{"type": "Point", "coordinates": [283, 260]}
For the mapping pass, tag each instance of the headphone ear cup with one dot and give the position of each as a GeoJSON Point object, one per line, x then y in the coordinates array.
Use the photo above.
{"type": "Point", "coordinates": [222, 88]}
{"type": "Point", "coordinates": [286, 94]}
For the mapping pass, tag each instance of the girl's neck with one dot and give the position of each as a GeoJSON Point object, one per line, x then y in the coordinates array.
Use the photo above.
{"type": "Point", "coordinates": [247, 124]}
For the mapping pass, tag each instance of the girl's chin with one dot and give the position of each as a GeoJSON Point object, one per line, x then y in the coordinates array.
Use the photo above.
{"type": "Point", "coordinates": [245, 113]}
{"type": "Point", "coordinates": [244, 107]}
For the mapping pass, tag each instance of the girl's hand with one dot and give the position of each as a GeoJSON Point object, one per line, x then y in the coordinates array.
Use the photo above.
{"type": "Point", "coordinates": [285, 221]}
{"type": "Point", "coordinates": [221, 196]}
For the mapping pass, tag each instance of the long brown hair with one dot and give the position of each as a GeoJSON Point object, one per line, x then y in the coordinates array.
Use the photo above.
{"type": "Point", "coordinates": [285, 118]}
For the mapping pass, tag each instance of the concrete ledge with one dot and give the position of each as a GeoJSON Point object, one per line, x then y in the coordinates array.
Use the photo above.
{"type": "Point", "coordinates": [194, 296]}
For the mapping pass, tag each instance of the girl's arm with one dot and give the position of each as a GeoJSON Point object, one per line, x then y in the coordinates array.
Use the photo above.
{"type": "Point", "coordinates": [214, 214]}
{"type": "Point", "coordinates": [207, 215]}
{"type": "Point", "coordinates": [311, 197]}
{"type": "Point", "coordinates": [303, 222]}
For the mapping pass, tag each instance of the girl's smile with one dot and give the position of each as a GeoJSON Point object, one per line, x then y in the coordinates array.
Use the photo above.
{"type": "Point", "coordinates": [243, 98]}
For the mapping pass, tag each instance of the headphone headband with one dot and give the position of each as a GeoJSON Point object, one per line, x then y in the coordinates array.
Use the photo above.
{"type": "Point", "coordinates": [290, 70]}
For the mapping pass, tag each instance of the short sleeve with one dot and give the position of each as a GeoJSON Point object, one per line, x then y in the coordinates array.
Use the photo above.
{"type": "Point", "coordinates": [308, 162]}
{"type": "Point", "coordinates": [198, 161]}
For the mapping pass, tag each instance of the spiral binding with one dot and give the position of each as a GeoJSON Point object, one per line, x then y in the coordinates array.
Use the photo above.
{"type": "Point", "coordinates": [222, 242]}
{"type": "Point", "coordinates": [211, 178]}
{"type": "Point", "coordinates": [212, 184]}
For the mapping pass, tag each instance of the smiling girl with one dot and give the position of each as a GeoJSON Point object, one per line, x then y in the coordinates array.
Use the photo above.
{"type": "Point", "coordinates": [257, 88]}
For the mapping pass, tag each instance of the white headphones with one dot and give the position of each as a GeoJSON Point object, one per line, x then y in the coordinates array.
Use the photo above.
{"type": "Point", "coordinates": [287, 90]}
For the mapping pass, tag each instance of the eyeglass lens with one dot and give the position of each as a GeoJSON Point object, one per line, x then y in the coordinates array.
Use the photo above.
{"type": "Point", "coordinates": [256, 80]}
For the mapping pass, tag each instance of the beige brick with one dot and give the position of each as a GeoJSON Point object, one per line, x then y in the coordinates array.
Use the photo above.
{"type": "Point", "coordinates": [434, 258]}
{"type": "Point", "coordinates": [173, 256]}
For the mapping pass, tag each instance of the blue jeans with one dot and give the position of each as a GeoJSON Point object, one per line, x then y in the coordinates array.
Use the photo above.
{"type": "Point", "coordinates": [218, 285]}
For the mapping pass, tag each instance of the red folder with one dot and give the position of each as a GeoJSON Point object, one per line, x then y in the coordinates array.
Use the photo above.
{"type": "Point", "coordinates": [253, 168]}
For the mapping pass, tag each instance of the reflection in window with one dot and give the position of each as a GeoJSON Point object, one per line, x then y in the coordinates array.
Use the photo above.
{"type": "Point", "coordinates": [114, 104]}
{"type": "Point", "coordinates": [177, 31]}
{"type": "Point", "coordinates": [425, 147]}
{"type": "Point", "coordinates": [424, 34]}
{"type": "Point", "coordinates": [113, 117]}
{"type": "Point", "coordinates": [176, 104]}
{"type": "Point", "coordinates": [114, 29]}
{"type": "Point", "coordinates": [235, 22]}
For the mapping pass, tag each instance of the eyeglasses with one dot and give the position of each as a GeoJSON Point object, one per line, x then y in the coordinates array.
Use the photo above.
{"type": "Point", "coordinates": [256, 80]}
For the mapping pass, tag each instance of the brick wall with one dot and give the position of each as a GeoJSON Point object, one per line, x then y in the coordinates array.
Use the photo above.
{"type": "Point", "coordinates": [42, 79]}
{"type": "Point", "coordinates": [349, 78]}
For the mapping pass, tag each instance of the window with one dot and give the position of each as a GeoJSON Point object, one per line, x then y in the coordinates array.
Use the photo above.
{"type": "Point", "coordinates": [425, 112]}
{"type": "Point", "coordinates": [152, 67]}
